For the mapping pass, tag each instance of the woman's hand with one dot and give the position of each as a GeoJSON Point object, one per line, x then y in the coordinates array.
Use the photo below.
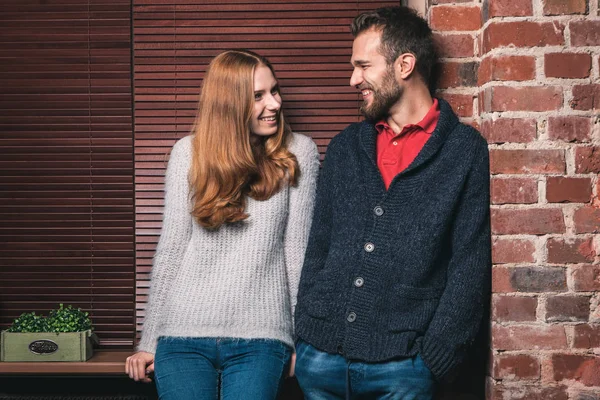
{"type": "Point", "coordinates": [292, 365]}
{"type": "Point", "coordinates": [139, 366]}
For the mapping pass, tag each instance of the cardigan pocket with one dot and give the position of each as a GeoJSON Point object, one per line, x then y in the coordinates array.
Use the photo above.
{"type": "Point", "coordinates": [320, 299]}
{"type": "Point", "coordinates": [407, 308]}
{"type": "Point", "coordinates": [318, 308]}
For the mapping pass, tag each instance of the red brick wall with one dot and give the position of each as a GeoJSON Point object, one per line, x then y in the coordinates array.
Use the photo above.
{"type": "Point", "coordinates": [526, 73]}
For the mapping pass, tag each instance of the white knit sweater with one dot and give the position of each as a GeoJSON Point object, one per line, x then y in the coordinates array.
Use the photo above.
{"type": "Point", "coordinates": [240, 280]}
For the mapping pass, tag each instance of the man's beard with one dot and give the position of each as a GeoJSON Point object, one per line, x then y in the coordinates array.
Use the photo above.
{"type": "Point", "coordinates": [384, 98]}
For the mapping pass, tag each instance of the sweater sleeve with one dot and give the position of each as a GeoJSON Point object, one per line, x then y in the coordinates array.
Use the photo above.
{"type": "Point", "coordinates": [174, 238]}
{"type": "Point", "coordinates": [301, 204]}
{"type": "Point", "coordinates": [459, 313]}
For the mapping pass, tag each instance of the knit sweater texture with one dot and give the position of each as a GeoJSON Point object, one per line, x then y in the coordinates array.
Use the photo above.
{"type": "Point", "coordinates": [237, 281]}
{"type": "Point", "coordinates": [394, 273]}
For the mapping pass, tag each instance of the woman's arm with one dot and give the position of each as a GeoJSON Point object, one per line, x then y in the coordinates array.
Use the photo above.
{"type": "Point", "coordinates": [174, 238]}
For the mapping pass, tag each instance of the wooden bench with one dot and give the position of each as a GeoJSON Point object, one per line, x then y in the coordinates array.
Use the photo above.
{"type": "Point", "coordinates": [102, 363]}
{"type": "Point", "coordinates": [101, 377]}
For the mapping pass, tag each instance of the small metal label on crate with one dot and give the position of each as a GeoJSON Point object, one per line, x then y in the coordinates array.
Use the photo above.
{"type": "Point", "coordinates": [43, 346]}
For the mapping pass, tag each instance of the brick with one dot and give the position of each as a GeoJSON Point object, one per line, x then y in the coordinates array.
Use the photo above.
{"type": "Point", "coordinates": [570, 250]}
{"type": "Point", "coordinates": [450, 1]}
{"type": "Point", "coordinates": [516, 366]}
{"type": "Point", "coordinates": [458, 74]}
{"type": "Point", "coordinates": [507, 251]}
{"type": "Point", "coordinates": [581, 368]}
{"type": "Point", "coordinates": [585, 33]}
{"type": "Point", "coordinates": [586, 336]}
{"type": "Point", "coordinates": [514, 191]}
{"type": "Point", "coordinates": [562, 7]}
{"type": "Point", "coordinates": [513, 308]}
{"type": "Point", "coordinates": [586, 278]}
{"type": "Point", "coordinates": [560, 189]}
{"type": "Point", "coordinates": [512, 130]}
{"type": "Point", "coordinates": [454, 45]}
{"type": "Point", "coordinates": [570, 128]}
{"type": "Point", "coordinates": [523, 98]}
{"type": "Point", "coordinates": [510, 8]}
{"type": "Point", "coordinates": [513, 68]}
{"type": "Point", "coordinates": [527, 161]}
{"type": "Point", "coordinates": [567, 65]}
{"type": "Point", "coordinates": [501, 280]}
{"type": "Point", "coordinates": [522, 34]}
{"type": "Point", "coordinates": [587, 159]}
{"type": "Point", "coordinates": [506, 68]}
{"type": "Point", "coordinates": [535, 221]}
{"type": "Point", "coordinates": [462, 104]}
{"type": "Point", "coordinates": [529, 337]}
{"type": "Point", "coordinates": [587, 220]}
{"type": "Point", "coordinates": [529, 392]}
{"type": "Point", "coordinates": [452, 18]}
{"type": "Point", "coordinates": [586, 97]}
{"type": "Point", "coordinates": [567, 309]}
{"type": "Point", "coordinates": [538, 279]}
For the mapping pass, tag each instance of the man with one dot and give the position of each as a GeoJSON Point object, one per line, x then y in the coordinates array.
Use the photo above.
{"type": "Point", "coordinates": [397, 270]}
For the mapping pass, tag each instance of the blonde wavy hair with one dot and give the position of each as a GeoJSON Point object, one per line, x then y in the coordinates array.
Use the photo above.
{"type": "Point", "coordinates": [228, 164]}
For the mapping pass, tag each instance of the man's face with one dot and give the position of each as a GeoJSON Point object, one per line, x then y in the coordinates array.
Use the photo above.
{"type": "Point", "coordinates": [373, 76]}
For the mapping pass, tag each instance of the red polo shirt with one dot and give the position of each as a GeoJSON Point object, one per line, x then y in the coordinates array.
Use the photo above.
{"type": "Point", "coordinates": [395, 152]}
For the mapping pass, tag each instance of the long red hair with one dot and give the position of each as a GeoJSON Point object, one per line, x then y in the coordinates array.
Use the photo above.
{"type": "Point", "coordinates": [227, 165]}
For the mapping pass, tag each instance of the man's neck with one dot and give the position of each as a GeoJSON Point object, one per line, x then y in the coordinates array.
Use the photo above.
{"type": "Point", "coordinates": [410, 109]}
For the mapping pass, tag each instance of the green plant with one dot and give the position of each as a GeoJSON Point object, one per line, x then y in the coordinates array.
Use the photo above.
{"type": "Point", "coordinates": [29, 322]}
{"type": "Point", "coordinates": [63, 319]}
{"type": "Point", "coordinates": [68, 319]}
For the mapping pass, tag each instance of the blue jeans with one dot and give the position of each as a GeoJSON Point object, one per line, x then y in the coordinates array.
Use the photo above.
{"type": "Point", "coordinates": [324, 376]}
{"type": "Point", "coordinates": [192, 368]}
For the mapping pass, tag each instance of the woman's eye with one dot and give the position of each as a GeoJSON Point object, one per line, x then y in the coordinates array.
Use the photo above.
{"type": "Point", "coordinates": [275, 91]}
{"type": "Point", "coordinates": [257, 96]}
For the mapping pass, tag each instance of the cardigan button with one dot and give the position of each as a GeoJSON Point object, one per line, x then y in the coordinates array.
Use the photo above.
{"type": "Point", "coordinates": [351, 317]}
{"type": "Point", "coordinates": [340, 350]}
{"type": "Point", "coordinates": [358, 282]}
{"type": "Point", "coordinates": [369, 247]}
{"type": "Point", "coordinates": [378, 211]}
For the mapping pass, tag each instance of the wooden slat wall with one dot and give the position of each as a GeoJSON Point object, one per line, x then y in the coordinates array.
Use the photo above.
{"type": "Point", "coordinates": [66, 162]}
{"type": "Point", "coordinates": [308, 43]}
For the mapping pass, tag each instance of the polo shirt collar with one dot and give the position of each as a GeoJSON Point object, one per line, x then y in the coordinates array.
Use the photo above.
{"type": "Point", "coordinates": [427, 124]}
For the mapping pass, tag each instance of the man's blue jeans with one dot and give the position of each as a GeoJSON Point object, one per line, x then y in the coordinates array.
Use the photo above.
{"type": "Point", "coordinates": [192, 368]}
{"type": "Point", "coordinates": [324, 376]}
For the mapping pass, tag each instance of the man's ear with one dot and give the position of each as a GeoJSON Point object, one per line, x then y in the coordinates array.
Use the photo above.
{"type": "Point", "coordinates": [405, 65]}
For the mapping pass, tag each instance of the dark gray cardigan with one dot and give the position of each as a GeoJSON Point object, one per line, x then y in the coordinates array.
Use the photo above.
{"type": "Point", "coordinates": [394, 273]}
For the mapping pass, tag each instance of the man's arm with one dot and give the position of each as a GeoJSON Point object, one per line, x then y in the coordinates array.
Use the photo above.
{"type": "Point", "coordinates": [459, 313]}
{"type": "Point", "coordinates": [320, 232]}
{"type": "Point", "coordinates": [301, 205]}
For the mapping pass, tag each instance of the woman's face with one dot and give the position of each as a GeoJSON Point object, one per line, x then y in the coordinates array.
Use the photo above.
{"type": "Point", "coordinates": [267, 103]}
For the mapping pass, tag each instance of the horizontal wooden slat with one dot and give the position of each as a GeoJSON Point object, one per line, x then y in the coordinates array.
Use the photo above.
{"type": "Point", "coordinates": [66, 162]}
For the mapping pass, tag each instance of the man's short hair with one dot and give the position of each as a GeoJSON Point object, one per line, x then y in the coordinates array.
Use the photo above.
{"type": "Point", "coordinates": [402, 31]}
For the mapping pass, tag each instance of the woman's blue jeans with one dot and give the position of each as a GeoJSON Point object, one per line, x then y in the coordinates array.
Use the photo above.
{"type": "Point", "coordinates": [324, 376]}
{"type": "Point", "coordinates": [203, 368]}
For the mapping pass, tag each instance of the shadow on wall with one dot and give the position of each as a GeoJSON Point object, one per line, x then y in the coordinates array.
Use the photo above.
{"type": "Point", "coordinates": [470, 381]}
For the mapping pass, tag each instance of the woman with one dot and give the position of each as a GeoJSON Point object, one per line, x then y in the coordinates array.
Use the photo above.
{"type": "Point", "coordinates": [239, 195]}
